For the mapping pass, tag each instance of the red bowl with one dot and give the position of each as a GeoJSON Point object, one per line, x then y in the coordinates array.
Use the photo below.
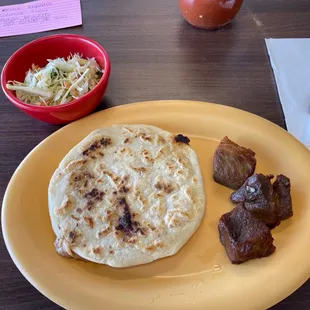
{"type": "Point", "coordinates": [51, 47]}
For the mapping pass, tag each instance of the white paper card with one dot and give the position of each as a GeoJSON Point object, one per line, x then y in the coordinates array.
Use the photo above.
{"type": "Point", "coordinates": [40, 15]}
{"type": "Point", "coordinates": [290, 61]}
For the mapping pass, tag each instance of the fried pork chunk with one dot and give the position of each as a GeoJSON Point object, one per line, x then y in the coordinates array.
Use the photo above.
{"type": "Point", "coordinates": [282, 197]}
{"type": "Point", "coordinates": [232, 164]}
{"type": "Point", "coordinates": [267, 202]}
{"type": "Point", "coordinates": [244, 237]}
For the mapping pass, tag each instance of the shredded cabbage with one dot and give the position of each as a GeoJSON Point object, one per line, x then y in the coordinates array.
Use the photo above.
{"type": "Point", "coordinates": [59, 82]}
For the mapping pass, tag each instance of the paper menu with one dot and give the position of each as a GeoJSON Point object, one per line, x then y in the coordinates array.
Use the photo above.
{"type": "Point", "coordinates": [290, 61]}
{"type": "Point", "coordinates": [38, 16]}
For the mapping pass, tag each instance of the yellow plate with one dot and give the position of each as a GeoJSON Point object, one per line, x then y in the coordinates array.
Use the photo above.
{"type": "Point", "coordinates": [200, 275]}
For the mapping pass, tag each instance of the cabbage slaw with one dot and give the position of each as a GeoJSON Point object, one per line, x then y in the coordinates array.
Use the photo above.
{"type": "Point", "coordinates": [59, 82]}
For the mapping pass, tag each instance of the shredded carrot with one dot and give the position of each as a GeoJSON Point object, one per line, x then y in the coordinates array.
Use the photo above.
{"type": "Point", "coordinates": [74, 92]}
{"type": "Point", "coordinates": [67, 84]}
{"type": "Point", "coordinates": [34, 67]}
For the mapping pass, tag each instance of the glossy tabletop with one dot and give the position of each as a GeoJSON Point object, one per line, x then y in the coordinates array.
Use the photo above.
{"type": "Point", "coordinates": [156, 55]}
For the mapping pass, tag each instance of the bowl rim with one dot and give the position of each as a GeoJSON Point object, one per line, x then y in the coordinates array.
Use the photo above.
{"type": "Point", "coordinates": [29, 107]}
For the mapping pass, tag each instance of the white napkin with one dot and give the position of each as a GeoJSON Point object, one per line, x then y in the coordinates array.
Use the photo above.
{"type": "Point", "coordinates": [290, 61]}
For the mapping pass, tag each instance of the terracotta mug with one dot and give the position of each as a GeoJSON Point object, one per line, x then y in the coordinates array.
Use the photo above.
{"type": "Point", "coordinates": [209, 14]}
